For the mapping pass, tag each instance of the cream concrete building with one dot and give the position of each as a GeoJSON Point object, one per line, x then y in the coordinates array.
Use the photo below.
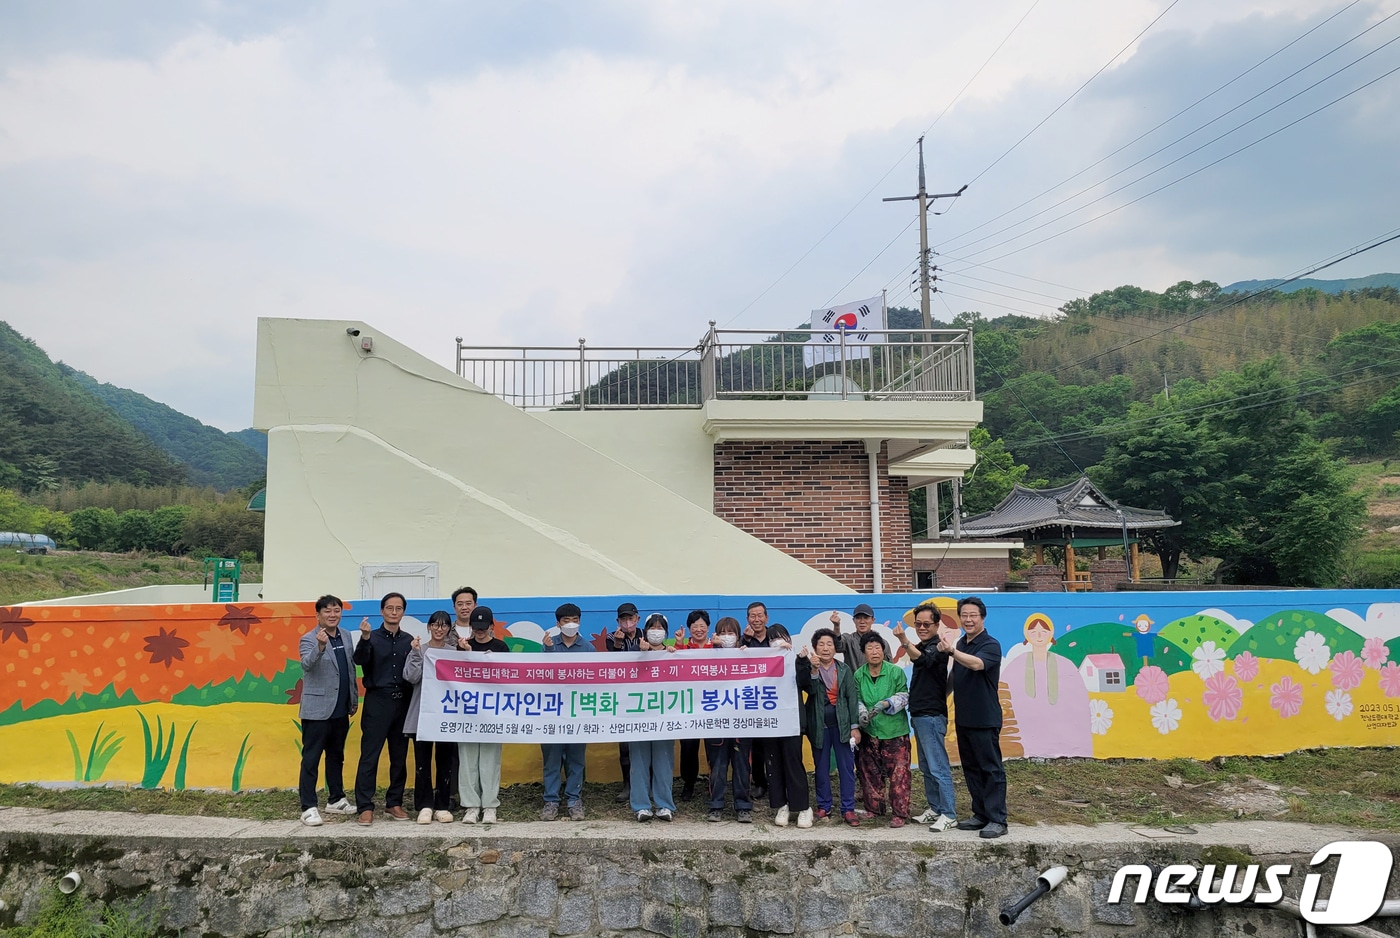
{"type": "Point", "coordinates": [386, 470]}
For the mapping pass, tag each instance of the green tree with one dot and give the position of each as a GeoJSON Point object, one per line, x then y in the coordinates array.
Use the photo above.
{"type": "Point", "coordinates": [994, 475]}
{"type": "Point", "coordinates": [93, 528]}
{"type": "Point", "coordinates": [167, 533]}
{"type": "Point", "coordinates": [133, 530]}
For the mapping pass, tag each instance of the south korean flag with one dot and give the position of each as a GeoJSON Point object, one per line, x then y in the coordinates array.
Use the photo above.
{"type": "Point", "coordinates": [856, 320]}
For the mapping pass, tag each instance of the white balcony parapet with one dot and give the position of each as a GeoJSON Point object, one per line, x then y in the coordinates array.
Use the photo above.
{"type": "Point", "coordinates": [799, 364]}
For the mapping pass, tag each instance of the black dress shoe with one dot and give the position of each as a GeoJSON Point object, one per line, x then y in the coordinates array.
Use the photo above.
{"type": "Point", "coordinates": [972, 824]}
{"type": "Point", "coordinates": [993, 830]}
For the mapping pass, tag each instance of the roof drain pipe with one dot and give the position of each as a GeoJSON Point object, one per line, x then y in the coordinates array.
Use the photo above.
{"type": "Point", "coordinates": [877, 558]}
{"type": "Point", "coordinates": [1047, 881]}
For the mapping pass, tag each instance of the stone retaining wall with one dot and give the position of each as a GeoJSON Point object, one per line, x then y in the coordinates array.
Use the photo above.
{"type": "Point", "coordinates": [620, 883]}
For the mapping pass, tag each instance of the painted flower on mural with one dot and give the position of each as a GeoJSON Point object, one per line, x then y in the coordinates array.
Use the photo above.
{"type": "Point", "coordinates": [1166, 716]}
{"type": "Point", "coordinates": [1338, 704]}
{"type": "Point", "coordinates": [1311, 652]}
{"type": "Point", "coordinates": [1152, 684]}
{"type": "Point", "coordinates": [1286, 697]}
{"type": "Point", "coordinates": [1246, 666]}
{"type": "Point", "coordinates": [1100, 716]}
{"type": "Point", "coordinates": [1390, 679]}
{"type": "Point", "coordinates": [239, 618]}
{"type": "Point", "coordinates": [14, 624]}
{"type": "Point", "coordinates": [294, 695]}
{"type": "Point", "coordinates": [1223, 697]}
{"type": "Point", "coordinates": [1374, 653]}
{"type": "Point", "coordinates": [166, 648]}
{"type": "Point", "coordinates": [1207, 660]}
{"type": "Point", "coordinates": [1346, 671]}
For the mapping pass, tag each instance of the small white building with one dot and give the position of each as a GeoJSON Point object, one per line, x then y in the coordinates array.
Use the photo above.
{"type": "Point", "coordinates": [1104, 673]}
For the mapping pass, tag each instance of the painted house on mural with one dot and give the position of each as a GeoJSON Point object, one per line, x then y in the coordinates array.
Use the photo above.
{"type": "Point", "coordinates": [1104, 673]}
{"type": "Point", "coordinates": [753, 462]}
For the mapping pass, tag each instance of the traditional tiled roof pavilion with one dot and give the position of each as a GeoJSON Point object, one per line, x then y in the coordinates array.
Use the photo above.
{"type": "Point", "coordinates": [1071, 516]}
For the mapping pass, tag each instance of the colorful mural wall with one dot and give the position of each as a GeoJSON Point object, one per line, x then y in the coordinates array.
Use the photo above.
{"type": "Point", "coordinates": [205, 696]}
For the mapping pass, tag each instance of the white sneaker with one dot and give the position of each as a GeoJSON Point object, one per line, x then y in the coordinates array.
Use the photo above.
{"type": "Point", "coordinates": [471, 816]}
{"type": "Point", "coordinates": [781, 817]}
{"type": "Point", "coordinates": [311, 817]}
{"type": "Point", "coordinates": [341, 807]}
{"type": "Point", "coordinates": [942, 823]}
{"type": "Point", "coordinates": [664, 815]}
{"type": "Point", "coordinates": [425, 816]}
{"type": "Point", "coordinates": [488, 816]}
{"type": "Point", "coordinates": [443, 817]}
{"type": "Point", "coordinates": [644, 815]}
{"type": "Point", "coordinates": [925, 818]}
{"type": "Point", "coordinates": [804, 818]}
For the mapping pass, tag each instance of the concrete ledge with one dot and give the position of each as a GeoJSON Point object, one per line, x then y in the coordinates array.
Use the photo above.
{"type": "Point", "coordinates": [228, 877]}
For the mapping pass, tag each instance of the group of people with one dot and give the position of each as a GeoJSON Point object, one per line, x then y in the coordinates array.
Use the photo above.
{"type": "Point", "coordinates": [856, 710]}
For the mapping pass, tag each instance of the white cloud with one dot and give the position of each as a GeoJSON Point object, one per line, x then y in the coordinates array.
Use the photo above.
{"type": "Point", "coordinates": [1382, 620]}
{"type": "Point", "coordinates": [626, 173]}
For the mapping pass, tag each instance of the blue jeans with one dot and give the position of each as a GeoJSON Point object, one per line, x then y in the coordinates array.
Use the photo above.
{"type": "Point", "coordinates": [653, 765]}
{"type": "Point", "coordinates": [569, 757]}
{"type": "Point", "coordinates": [845, 771]}
{"type": "Point", "coordinates": [929, 733]}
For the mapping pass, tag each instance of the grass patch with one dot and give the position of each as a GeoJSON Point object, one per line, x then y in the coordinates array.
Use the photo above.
{"type": "Point", "coordinates": [74, 916]}
{"type": "Point", "coordinates": [25, 578]}
{"type": "Point", "coordinates": [1351, 787]}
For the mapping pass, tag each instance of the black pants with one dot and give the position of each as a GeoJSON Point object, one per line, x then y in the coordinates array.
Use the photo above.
{"type": "Point", "coordinates": [726, 755]}
{"type": "Point", "coordinates": [979, 750]}
{"type": "Point", "coordinates": [381, 721]}
{"type": "Point", "coordinates": [317, 737]}
{"type": "Point", "coordinates": [690, 761]}
{"type": "Point", "coordinates": [787, 776]}
{"type": "Point", "coordinates": [428, 793]}
{"type": "Point", "coordinates": [759, 771]}
{"type": "Point", "coordinates": [624, 761]}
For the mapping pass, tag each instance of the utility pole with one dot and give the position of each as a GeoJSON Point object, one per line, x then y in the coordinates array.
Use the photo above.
{"type": "Point", "coordinates": [924, 198]}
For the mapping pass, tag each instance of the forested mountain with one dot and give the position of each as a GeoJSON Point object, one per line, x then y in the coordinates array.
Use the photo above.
{"type": "Point", "coordinates": [254, 439]}
{"type": "Point", "coordinates": [1325, 286]}
{"type": "Point", "coordinates": [52, 429]}
{"type": "Point", "coordinates": [214, 457]}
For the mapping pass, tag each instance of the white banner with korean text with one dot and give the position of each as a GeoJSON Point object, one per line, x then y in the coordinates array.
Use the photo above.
{"type": "Point", "coordinates": [474, 697]}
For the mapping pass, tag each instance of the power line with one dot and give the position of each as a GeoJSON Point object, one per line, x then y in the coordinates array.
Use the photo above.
{"type": "Point", "coordinates": [1075, 93]}
{"type": "Point", "coordinates": [1178, 159]}
{"type": "Point", "coordinates": [1179, 179]}
{"type": "Point", "coordinates": [1179, 113]}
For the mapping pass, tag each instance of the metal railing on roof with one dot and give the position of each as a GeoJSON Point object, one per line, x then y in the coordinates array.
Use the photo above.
{"type": "Point", "coordinates": [799, 364]}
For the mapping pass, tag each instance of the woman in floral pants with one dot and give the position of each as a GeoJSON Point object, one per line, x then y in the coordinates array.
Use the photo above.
{"type": "Point", "coordinates": [883, 757]}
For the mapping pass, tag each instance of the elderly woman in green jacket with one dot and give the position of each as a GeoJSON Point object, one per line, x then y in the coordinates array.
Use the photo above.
{"type": "Point", "coordinates": [883, 756]}
{"type": "Point", "coordinates": [830, 720]}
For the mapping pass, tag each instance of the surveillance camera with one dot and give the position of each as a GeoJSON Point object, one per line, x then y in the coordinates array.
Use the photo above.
{"type": "Point", "coordinates": [352, 331]}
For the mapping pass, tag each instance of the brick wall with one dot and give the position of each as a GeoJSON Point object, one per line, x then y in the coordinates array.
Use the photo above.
{"type": "Point", "coordinates": [811, 500]}
{"type": "Point", "coordinates": [978, 572]}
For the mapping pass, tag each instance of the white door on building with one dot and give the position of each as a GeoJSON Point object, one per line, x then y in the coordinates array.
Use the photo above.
{"type": "Point", "coordinates": [415, 580]}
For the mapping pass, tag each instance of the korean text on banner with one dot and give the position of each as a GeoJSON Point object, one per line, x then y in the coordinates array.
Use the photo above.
{"type": "Point", "coordinates": [542, 698]}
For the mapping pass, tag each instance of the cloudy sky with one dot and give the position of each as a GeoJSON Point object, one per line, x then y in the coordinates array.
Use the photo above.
{"type": "Point", "coordinates": [627, 171]}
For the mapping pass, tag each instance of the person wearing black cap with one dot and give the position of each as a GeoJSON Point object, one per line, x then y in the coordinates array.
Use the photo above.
{"type": "Point", "coordinates": [479, 764]}
{"type": "Point", "coordinates": [626, 638]}
{"type": "Point", "coordinates": [564, 759]}
{"type": "Point", "coordinates": [849, 645]}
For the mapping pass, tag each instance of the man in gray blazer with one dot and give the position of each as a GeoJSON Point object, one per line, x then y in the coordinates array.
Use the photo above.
{"type": "Point", "coordinates": [329, 698]}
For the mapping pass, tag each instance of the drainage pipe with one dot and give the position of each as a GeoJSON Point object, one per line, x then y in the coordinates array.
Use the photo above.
{"type": "Point", "coordinates": [877, 554]}
{"type": "Point", "coordinates": [1046, 882]}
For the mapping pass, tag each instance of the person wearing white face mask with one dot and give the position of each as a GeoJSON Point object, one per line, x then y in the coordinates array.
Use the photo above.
{"type": "Point", "coordinates": [727, 756]}
{"type": "Point", "coordinates": [653, 760]}
{"type": "Point", "coordinates": [568, 757]}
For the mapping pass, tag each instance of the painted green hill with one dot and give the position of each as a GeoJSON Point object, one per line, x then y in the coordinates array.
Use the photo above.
{"type": "Point", "coordinates": [1105, 638]}
{"type": "Point", "coordinates": [1275, 635]}
{"type": "Point", "coordinates": [1191, 632]}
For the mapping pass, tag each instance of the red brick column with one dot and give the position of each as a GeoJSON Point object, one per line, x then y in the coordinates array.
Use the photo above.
{"type": "Point", "coordinates": [1105, 575]}
{"type": "Point", "coordinates": [811, 500]}
{"type": "Point", "coordinates": [1045, 578]}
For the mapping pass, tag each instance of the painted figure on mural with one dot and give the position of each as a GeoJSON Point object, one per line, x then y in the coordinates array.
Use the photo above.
{"type": "Point", "coordinates": [1048, 695]}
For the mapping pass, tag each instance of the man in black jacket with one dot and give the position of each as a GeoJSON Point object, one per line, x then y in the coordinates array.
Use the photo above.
{"type": "Point", "coordinates": [928, 715]}
{"type": "Point", "coordinates": [976, 676]}
{"type": "Point", "coordinates": [626, 638]}
{"type": "Point", "coordinates": [382, 655]}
